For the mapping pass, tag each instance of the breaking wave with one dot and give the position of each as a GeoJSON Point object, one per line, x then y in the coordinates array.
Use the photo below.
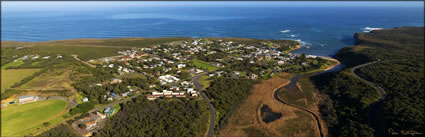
{"type": "Point", "coordinates": [285, 31]}
{"type": "Point", "coordinates": [303, 43]}
{"type": "Point", "coordinates": [369, 29]}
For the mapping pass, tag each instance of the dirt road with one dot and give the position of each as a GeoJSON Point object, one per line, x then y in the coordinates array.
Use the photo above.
{"type": "Point", "coordinates": [76, 57]}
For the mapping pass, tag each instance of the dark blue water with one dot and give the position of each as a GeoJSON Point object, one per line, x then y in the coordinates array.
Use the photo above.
{"type": "Point", "coordinates": [323, 28]}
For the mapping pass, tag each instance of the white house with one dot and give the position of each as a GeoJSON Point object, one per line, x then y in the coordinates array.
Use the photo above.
{"type": "Point", "coordinates": [175, 93]}
{"type": "Point", "coordinates": [175, 88]}
{"type": "Point", "coordinates": [85, 99]}
{"type": "Point", "coordinates": [253, 76]}
{"type": "Point", "coordinates": [156, 93]}
{"type": "Point", "coordinates": [191, 90]}
{"type": "Point", "coordinates": [181, 65]}
{"type": "Point", "coordinates": [35, 57]}
{"type": "Point", "coordinates": [280, 62]}
{"type": "Point", "coordinates": [185, 83]}
{"type": "Point", "coordinates": [115, 80]}
{"type": "Point", "coordinates": [125, 94]}
{"type": "Point", "coordinates": [111, 65]}
{"type": "Point", "coordinates": [101, 115]}
{"type": "Point", "coordinates": [167, 79]}
{"type": "Point", "coordinates": [152, 86]}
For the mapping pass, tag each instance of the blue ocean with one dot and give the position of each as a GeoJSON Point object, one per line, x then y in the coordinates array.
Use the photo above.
{"type": "Point", "coordinates": [322, 27]}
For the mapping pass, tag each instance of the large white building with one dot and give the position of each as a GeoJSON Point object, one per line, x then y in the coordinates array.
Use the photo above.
{"type": "Point", "coordinates": [27, 99]}
{"type": "Point", "coordinates": [167, 79]}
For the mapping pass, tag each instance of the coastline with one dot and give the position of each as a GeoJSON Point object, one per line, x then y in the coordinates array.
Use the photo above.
{"type": "Point", "coordinates": [298, 46]}
{"type": "Point", "coordinates": [330, 59]}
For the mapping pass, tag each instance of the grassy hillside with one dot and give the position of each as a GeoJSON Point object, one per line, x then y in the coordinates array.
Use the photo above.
{"type": "Point", "coordinates": [85, 48]}
{"type": "Point", "coordinates": [12, 76]}
{"type": "Point", "coordinates": [115, 42]}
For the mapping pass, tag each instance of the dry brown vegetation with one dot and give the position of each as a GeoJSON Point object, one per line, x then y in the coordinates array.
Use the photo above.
{"type": "Point", "coordinates": [247, 121]}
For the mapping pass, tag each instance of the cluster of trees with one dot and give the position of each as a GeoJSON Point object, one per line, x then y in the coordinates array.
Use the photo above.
{"type": "Point", "coordinates": [62, 130]}
{"type": "Point", "coordinates": [81, 108]}
{"type": "Point", "coordinates": [304, 64]}
{"type": "Point", "coordinates": [211, 57]}
{"type": "Point", "coordinates": [96, 93]}
{"type": "Point", "coordinates": [400, 73]}
{"type": "Point", "coordinates": [8, 54]}
{"type": "Point", "coordinates": [385, 45]}
{"type": "Point", "coordinates": [404, 83]}
{"type": "Point", "coordinates": [91, 74]}
{"type": "Point", "coordinates": [350, 100]}
{"type": "Point", "coordinates": [227, 94]}
{"type": "Point", "coordinates": [244, 65]}
{"type": "Point", "coordinates": [160, 118]}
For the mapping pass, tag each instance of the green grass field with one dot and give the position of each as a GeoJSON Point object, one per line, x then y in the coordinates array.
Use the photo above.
{"type": "Point", "coordinates": [12, 76]}
{"type": "Point", "coordinates": [79, 98]}
{"type": "Point", "coordinates": [205, 83]}
{"type": "Point", "coordinates": [204, 65]}
{"type": "Point", "coordinates": [12, 64]}
{"type": "Point", "coordinates": [18, 119]}
{"type": "Point", "coordinates": [35, 63]}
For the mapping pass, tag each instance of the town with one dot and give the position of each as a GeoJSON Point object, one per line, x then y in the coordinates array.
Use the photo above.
{"type": "Point", "coordinates": [166, 71]}
{"type": "Point", "coordinates": [171, 65]}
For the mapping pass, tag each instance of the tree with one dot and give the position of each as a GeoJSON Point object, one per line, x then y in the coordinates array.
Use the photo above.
{"type": "Point", "coordinates": [82, 126]}
{"type": "Point", "coordinates": [46, 124]}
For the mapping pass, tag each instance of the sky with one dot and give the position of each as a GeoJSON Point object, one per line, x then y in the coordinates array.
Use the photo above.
{"type": "Point", "coordinates": [9, 6]}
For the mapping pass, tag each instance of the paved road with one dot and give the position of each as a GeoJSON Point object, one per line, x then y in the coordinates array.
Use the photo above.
{"type": "Point", "coordinates": [381, 91]}
{"type": "Point", "coordinates": [374, 106]}
{"type": "Point", "coordinates": [198, 87]}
